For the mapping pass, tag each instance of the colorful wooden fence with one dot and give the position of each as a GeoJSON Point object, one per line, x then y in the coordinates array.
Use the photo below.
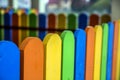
{"type": "Point", "coordinates": [80, 53]}
{"type": "Point", "coordinates": [19, 24]}
{"type": "Point", "coordinates": [90, 54]}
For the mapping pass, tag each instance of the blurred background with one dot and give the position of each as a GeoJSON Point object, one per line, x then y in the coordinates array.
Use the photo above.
{"type": "Point", "coordinates": [63, 5]}
{"type": "Point", "coordinates": [115, 9]}
{"type": "Point", "coordinates": [46, 6]}
{"type": "Point", "coordinates": [67, 5]}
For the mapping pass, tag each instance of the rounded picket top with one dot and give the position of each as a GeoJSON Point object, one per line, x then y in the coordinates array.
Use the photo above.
{"type": "Point", "coordinates": [82, 21]}
{"type": "Point", "coordinates": [32, 20]}
{"type": "Point", "coordinates": [7, 19]}
{"type": "Point", "coordinates": [15, 24]}
{"type": "Point", "coordinates": [72, 21]}
{"type": "Point", "coordinates": [24, 24]}
{"type": "Point", "coordinates": [52, 43]}
{"type": "Point", "coordinates": [42, 25]}
{"type": "Point", "coordinates": [52, 21]}
{"type": "Point", "coordinates": [32, 59]}
{"type": "Point", "coordinates": [24, 20]}
{"type": "Point", "coordinates": [80, 54]}
{"type": "Point", "coordinates": [42, 21]}
{"type": "Point", "coordinates": [0, 17]}
{"type": "Point", "coordinates": [105, 18]}
{"type": "Point", "coordinates": [68, 54]}
{"type": "Point", "coordinates": [90, 48]}
{"type": "Point", "coordinates": [33, 24]}
{"type": "Point", "coordinates": [15, 19]}
{"type": "Point", "coordinates": [94, 20]}
{"type": "Point", "coordinates": [1, 23]}
{"type": "Point", "coordinates": [9, 61]}
{"type": "Point", "coordinates": [61, 22]}
{"type": "Point", "coordinates": [7, 24]}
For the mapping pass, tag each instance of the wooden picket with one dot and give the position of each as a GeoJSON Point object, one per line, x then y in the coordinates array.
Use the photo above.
{"type": "Point", "coordinates": [98, 50]}
{"type": "Point", "coordinates": [90, 49]}
{"type": "Point", "coordinates": [68, 49]}
{"type": "Point", "coordinates": [80, 54]}
{"type": "Point", "coordinates": [9, 61]}
{"type": "Point", "coordinates": [53, 45]}
{"type": "Point", "coordinates": [32, 59]}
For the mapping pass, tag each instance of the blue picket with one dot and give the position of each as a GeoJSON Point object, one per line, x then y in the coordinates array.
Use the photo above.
{"type": "Point", "coordinates": [80, 52]}
{"type": "Point", "coordinates": [9, 61]}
